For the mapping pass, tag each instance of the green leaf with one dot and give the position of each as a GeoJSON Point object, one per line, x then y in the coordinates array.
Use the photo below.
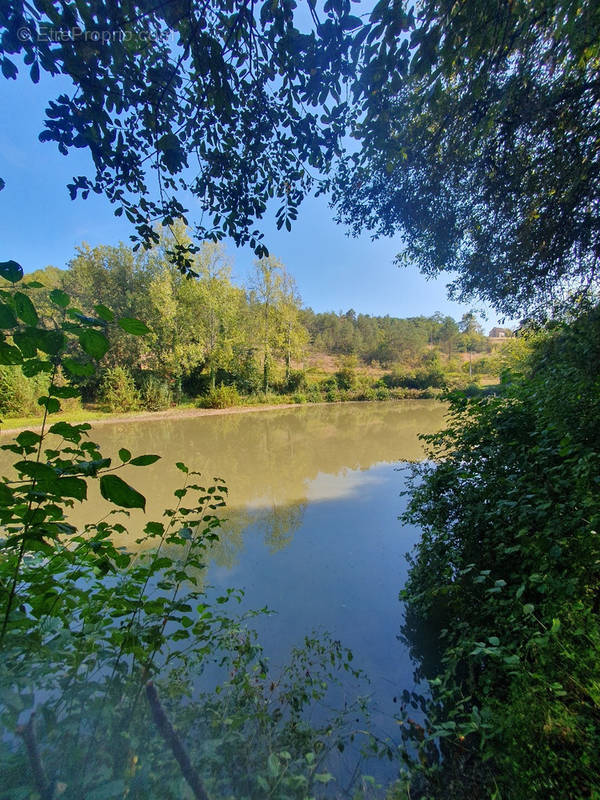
{"type": "Point", "coordinates": [10, 355]}
{"type": "Point", "coordinates": [59, 298]}
{"type": "Point", "coordinates": [133, 326]}
{"type": "Point", "coordinates": [124, 454]}
{"type": "Point", "coordinates": [26, 341]}
{"type": "Point", "coordinates": [324, 777]}
{"type": "Point", "coordinates": [34, 366]}
{"type": "Point", "coordinates": [11, 271]}
{"type": "Point", "coordinates": [7, 316]}
{"type": "Point", "coordinates": [143, 461]}
{"type": "Point", "coordinates": [273, 765]}
{"type": "Point", "coordinates": [77, 369]}
{"type": "Point", "coordinates": [71, 433]}
{"type": "Point", "coordinates": [28, 438]}
{"type": "Point", "coordinates": [94, 343]}
{"type": "Point", "coordinates": [104, 313]}
{"type": "Point", "coordinates": [71, 487]}
{"type": "Point", "coordinates": [6, 496]}
{"type": "Point", "coordinates": [25, 309]}
{"type": "Point", "coordinates": [120, 493]}
{"type": "Point", "coordinates": [33, 469]}
{"type": "Point", "coordinates": [50, 342]}
{"type": "Point", "coordinates": [51, 404]}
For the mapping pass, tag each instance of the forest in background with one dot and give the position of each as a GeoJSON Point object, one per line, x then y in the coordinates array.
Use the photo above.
{"type": "Point", "coordinates": [217, 344]}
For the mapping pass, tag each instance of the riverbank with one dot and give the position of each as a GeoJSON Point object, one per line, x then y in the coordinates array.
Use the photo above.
{"type": "Point", "coordinates": [98, 417]}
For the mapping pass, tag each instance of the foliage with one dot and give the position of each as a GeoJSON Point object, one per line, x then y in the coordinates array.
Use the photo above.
{"type": "Point", "coordinates": [19, 394]}
{"type": "Point", "coordinates": [155, 394]}
{"type": "Point", "coordinates": [220, 397]}
{"type": "Point", "coordinates": [507, 575]}
{"type": "Point", "coordinates": [244, 89]}
{"type": "Point", "coordinates": [478, 131]}
{"type": "Point", "coordinates": [118, 390]}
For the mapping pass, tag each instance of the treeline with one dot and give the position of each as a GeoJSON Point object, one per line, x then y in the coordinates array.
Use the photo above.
{"type": "Point", "coordinates": [390, 340]}
{"type": "Point", "coordinates": [212, 341]}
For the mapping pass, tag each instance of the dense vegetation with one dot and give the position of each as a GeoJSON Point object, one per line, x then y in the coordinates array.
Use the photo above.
{"type": "Point", "coordinates": [507, 574]}
{"type": "Point", "coordinates": [218, 344]}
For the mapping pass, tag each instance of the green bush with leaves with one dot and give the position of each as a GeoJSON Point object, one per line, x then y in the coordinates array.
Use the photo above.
{"type": "Point", "coordinates": [220, 397]}
{"type": "Point", "coordinates": [19, 394]}
{"type": "Point", "coordinates": [118, 390]}
{"type": "Point", "coordinates": [507, 574]}
{"type": "Point", "coordinates": [155, 393]}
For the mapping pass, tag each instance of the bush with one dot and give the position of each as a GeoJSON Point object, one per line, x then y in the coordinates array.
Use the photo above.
{"type": "Point", "coordinates": [117, 390]}
{"type": "Point", "coordinates": [368, 393]}
{"type": "Point", "coordinates": [296, 381]}
{"type": "Point", "coordinates": [346, 378]}
{"type": "Point", "coordinates": [220, 397]}
{"type": "Point", "coordinates": [313, 394]}
{"type": "Point", "coordinates": [155, 393]}
{"type": "Point", "coordinates": [382, 393]}
{"type": "Point", "coordinates": [18, 394]}
{"type": "Point", "coordinates": [509, 509]}
{"type": "Point", "coordinates": [299, 398]}
{"type": "Point", "coordinates": [248, 377]}
{"type": "Point", "coordinates": [328, 384]}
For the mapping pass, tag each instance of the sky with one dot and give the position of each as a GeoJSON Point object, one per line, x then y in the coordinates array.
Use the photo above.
{"type": "Point", "coordinates": [41, 225]}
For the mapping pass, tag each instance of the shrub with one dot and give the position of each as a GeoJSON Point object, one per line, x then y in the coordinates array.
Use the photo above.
{"type": "Point", "coordinates": [299, 398]}
{"type": "Point", "coordinates": [220, 397]}
{"type": "Point", "coordinates": [18, 394]}
{"type": "Point", "coordinates": [296, 380]}
{"type": "Point", "coordinates": [248, 377]}
{"type": "Point", "coordinates": [155, 393]}
{"type": "Point", "coordinates": [346, 378]}
{"type": "Point", "coordinates": [313, 394]}
{"type": "Point", "coordinates": [328, 384]}
{"type": "Point", "coordinates": [117, 390]}
{"type": "Point", "coordinates": [368, 393]}
{"type": "Point", "coordinates": [382, 393]}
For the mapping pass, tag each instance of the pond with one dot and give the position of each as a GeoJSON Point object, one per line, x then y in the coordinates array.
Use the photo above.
{"type": "Point", "coordinates": [311, 528]}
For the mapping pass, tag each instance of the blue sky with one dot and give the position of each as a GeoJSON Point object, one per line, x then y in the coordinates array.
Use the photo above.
{"type": "Point", "coordinates": [40, 225]}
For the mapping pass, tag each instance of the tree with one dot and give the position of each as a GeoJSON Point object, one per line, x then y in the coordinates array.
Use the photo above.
{"type": "Point", "coordinates": [448, 333]}
{"type": "Point", "coordinates": [472, 335]}
{"type": "Point", "coordinates": [294, 336]}
{"type": "Point", "coordinates": [238, 90]}
{"type": "Point", "coordinates": [479, 130]}
{"type": "Point", "coordinates": [218, 308]}
{"type": "Point", "coordinates": [265, 293]}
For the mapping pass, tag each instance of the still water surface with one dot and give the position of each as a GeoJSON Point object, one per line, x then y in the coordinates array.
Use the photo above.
{"type": "Point", "coordinates": [311, 528]}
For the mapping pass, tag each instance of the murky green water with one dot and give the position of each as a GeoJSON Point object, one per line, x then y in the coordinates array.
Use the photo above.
{"type": "Point", "coordinates": [311, 527]}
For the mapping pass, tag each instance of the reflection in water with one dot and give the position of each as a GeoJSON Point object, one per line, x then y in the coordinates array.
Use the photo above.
{"type": "Point", "coordinates": [269, 460]}
{"type": "Point", "coordinates": [311, 526]}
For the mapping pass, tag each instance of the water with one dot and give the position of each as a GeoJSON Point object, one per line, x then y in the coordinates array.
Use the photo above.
{"type": "Point", "coordinates": [311, 529]}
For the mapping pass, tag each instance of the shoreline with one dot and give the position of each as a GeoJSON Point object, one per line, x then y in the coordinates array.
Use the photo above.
{"type": "Point", "coordinates": [187, 413]}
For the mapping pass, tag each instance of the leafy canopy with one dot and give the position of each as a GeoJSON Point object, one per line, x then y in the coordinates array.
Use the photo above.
{"type": "Point", "coordinates": [479, 130]}
{"type": "Point", "coordinates": [219, 103]}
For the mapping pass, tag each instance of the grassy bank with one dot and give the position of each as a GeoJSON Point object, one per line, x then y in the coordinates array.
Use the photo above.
{"type": "Point", "coordinates": [262, 402]}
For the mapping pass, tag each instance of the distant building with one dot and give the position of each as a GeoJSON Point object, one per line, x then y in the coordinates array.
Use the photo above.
{"type": "Point", "coordinates": [500, 333]}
